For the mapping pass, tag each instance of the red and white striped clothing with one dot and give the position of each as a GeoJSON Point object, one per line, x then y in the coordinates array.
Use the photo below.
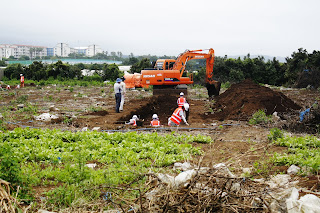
{"type": "Point", "coordinates": [181, 101]}
{"type": "Point", "coordinates": [177, 116]}
{"type": "Point", "coordinates": [155, 123]}
{"type": "Point", "coordinates": [133, 122]}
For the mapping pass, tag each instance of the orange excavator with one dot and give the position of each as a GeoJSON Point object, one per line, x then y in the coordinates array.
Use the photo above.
{"type": "Point", "coordinates": [170, 73]}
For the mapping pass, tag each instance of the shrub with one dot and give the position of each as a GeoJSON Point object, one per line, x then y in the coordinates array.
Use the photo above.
{"type": "Point", "coordinates": [260, 117]}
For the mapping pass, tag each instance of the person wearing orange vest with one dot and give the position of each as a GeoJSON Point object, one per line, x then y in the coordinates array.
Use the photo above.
{"type": "Point", "coordinates": [133, 121]}
{"type": "Point", "coordinates": [182, 100]}
{"type": "Point", "coordinates": [21, 80]}
{"type": "Point", "coordinates": [155, 121]}
{"type": "Point", "coordinates": [177, 116]}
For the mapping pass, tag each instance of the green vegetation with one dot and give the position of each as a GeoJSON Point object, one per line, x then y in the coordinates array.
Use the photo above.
{"type": "Point", "coordinates": [260, 117]}
{"type": "Point", "coordinates": [58, 159]}
{"type": "Point", "coordinates": [302, 151]}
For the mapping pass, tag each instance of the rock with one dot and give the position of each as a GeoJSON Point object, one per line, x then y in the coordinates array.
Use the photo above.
{"type": "Point", "coordinates": [96, 128]}
{"type": "Point", "coordinates": [46, 117]}
{"type": "Point", "coordinates": [84, 129]}
{"type": "Point", "coordinates": [278, 181]}
{"type": "Point", "coordinates": [246, 170]}
{"type": "Point", "coordinates": [91, 165]}
{"type": "Point", "coordinates": [222, 169]}
{"type": "Point", "coordinates": [168, 179]}
{"type": "Point", "coordinates": [293, 169]}
{"type": "Point", "coordinates": [20, 106]}
{"type": "Point", "coordinates": [53, 108]}
{"type": "Point", "coordinates": [275, 116]}
{"type": "Point", "coordinates": [184, 177]}
{"type": "Point", "coordinates": [182, 166]}
{"type": "Point", "coordinates": [44, 211]}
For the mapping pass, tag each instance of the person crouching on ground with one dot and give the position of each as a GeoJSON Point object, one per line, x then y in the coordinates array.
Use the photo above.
{"type": "Point", "coordinates": [155, 121]}
{"type": "Point", "coordinates": [177, 116]}
{"type": "Point", "coordinates": [117, 91]}
{"type": "Point", "coordinates": [133, 121]}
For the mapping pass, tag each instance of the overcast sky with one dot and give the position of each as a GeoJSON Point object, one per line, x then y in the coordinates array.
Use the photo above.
{"type": "Point", "coordinates": [166, 27]}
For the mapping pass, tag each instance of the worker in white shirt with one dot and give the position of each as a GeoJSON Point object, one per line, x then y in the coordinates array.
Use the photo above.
{"type": "Point", "coordinates": [117, 92]}
{"type": "Point", "coordinates": [123, 92]}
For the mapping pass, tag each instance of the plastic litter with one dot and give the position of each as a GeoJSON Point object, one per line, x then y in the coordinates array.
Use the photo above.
{"type": "Point", "coordinates": [304, 113]}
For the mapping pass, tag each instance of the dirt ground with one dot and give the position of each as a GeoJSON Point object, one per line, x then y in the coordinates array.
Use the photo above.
{"type": "Point", "coordinates": [236, 143]}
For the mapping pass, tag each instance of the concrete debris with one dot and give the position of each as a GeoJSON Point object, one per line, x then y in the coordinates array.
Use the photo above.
{"type": "Point", "coordinates": [223, 170]}
{"type": "Point", "coordinates": [182, 166]}
{"type": "Point", "coordinates": [20, 106]}
{"type": "Point", "coordinates": [46, 117]}
{"type": "Point", "coordinates": [306, 204]}
{"type": "Point", "coordinates": [96, 128]}
{"type": "Point", "coordinates": [184, 177]}
{"type": "Point", "coordinates": [44, 211]}
{"type": "Point", "coordinates": [91, 165]}
{"type": "Point", "coordinates": [293, 169]}
{"type": "Point", "coordinates": [84, 129]}
{"type": "Point", "coordinates": [52, 108]}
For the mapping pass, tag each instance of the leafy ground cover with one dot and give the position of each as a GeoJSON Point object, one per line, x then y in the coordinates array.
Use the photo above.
{"type": "Point", "coordinates": [60, 160]}
{"type": "Point", "coordinates": [302, 151]}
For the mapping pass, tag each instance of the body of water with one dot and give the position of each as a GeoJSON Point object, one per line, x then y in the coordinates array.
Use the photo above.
{"type": "Point", "coordinates": [69, 61]}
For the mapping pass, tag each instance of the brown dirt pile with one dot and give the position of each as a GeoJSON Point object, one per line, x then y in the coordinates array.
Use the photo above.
{"type": "Point", "coordinates": [241, 100]}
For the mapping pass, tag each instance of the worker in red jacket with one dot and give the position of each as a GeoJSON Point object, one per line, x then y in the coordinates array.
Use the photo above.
{"type": "Point", "coordinates": [178, 115]}
{"type": "Point", "coordinates": [155, 121]}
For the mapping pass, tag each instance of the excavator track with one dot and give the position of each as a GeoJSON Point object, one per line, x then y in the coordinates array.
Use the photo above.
{"type": "Point", "coordinates": [169, 90]}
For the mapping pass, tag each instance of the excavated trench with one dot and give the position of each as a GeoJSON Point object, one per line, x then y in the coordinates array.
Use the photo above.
{"type": "Point", "coordinates": [162, 105]}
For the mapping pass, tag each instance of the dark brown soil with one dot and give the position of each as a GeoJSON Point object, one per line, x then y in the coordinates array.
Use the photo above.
{"type": "Point", "coordinates": [241, 100]}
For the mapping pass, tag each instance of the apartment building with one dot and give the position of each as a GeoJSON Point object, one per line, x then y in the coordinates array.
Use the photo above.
{"type": "Point", "coordinates": [61, 50]}
{"type": "Point", "coordinates": [17, 50]}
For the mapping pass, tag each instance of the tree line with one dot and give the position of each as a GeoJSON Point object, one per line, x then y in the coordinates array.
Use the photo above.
{"type": "Point", "coordinates": [301, 69]}
{"type": "Point", "coordinates": [40, 71]}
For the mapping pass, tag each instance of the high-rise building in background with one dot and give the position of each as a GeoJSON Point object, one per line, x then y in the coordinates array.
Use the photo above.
{"type": "Point", "coordinates": [60, 50]}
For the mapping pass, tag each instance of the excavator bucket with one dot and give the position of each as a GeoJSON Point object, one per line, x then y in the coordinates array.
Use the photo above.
{"type": "Point", "coordinates": [213, 89]}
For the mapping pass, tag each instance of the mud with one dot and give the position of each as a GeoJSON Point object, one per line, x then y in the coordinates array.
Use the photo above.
{"type": "Point", "coordinates": [241, 100]}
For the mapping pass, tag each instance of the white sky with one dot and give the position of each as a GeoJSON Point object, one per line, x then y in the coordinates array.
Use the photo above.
{"type": "Point", "coordinates": [166, 27]}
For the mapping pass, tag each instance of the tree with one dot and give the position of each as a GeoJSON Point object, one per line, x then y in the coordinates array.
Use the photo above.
{"type": "Point", "coordinates": [111, 72]}
{"type": "Point", "coordinates": [296, 65]}
{"type": "Point", "coordinates": [32, 50]}
{"type": "Point", "coordinates": [36, 71]}
{"type": "Point", "coordinates": [137, 67]}
{"type": "Point", "coordinates": [24, 57]}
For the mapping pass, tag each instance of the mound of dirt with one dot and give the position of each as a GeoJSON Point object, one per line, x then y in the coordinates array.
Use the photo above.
{"type": "Point", "coordinates": [241, 100]}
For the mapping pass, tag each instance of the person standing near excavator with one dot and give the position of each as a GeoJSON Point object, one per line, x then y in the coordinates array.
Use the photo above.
{"type": "Point", "coordinates": [123, 92]}
{"type": "Point", "coordinates": [117, 92]}
{"type": "Point", "coordinates": [182, 101]}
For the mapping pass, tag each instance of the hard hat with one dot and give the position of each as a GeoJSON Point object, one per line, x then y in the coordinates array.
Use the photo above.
{"type": "Point", "coordinates": [154, 116]}
{"type": "Point", "coordinates": [135, 117]}
{"type": "Point", "coordinates": [118, 80]}
{"type": "Point", "coordinates": [186, 106]}
{"type": "Point", "coordinates": [181, 94]}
